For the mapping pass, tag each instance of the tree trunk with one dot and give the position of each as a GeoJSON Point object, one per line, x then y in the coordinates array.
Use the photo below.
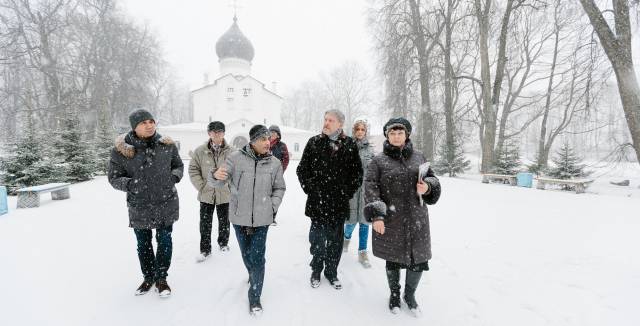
{"type": "Point", "coordinates": [618, 50]}
{"type": "Point", "coordinates": [488, 113]}
{"type": "Point", "coordinates": [630, 95]}
{"type": "Point", "coordinates": [543, 148]}
{"type": "Point", "coordinates": [448, 91]}
{"type": "Point", "coordinates": [423, 64]}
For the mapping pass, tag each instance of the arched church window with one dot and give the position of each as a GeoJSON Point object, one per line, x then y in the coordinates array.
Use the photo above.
{"type": "Point", "coordinates": [230, 90]}
{"type": "Point", "coordinates": [296, 147]}
{"type": "Point", "coordinates": [246, 92]}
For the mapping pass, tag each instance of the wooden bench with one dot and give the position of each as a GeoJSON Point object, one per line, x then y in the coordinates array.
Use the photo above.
{"type": "Point", "coordinates": [30, 196]}
{"type": "Point", "coordinates": [504, 178]}
{"type": "Point", "coordinates": [578, 185]}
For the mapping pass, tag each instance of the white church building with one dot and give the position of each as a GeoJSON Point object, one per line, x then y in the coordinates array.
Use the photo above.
{"type": "Point", "coordinates": [235, 98]}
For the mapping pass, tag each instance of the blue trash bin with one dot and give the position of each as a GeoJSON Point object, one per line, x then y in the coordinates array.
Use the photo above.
{"type": "Point", "coordinates": [4, 207]}
{"type": "Point", "coordinates": [524, 179]}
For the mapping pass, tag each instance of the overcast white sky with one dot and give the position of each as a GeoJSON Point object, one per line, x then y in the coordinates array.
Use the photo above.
{"type": "Point", "coordinates": [294, 40]}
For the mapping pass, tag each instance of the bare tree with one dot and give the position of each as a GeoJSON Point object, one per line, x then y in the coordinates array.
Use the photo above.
{"type": "Point", "coordinates": [491, 95]}
{"type": "Point", "coordinates": [305, 105]}
{"type": "Point", "coordinates": [617, 46]}
{"type": "Point", "coordinates": [80, 57]}
{"type": "Point", "coordinates": [348, 87]}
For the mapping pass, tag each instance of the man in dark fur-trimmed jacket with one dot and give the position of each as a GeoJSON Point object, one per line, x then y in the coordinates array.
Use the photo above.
{"type": "Point", "coordinates": [147, 166]}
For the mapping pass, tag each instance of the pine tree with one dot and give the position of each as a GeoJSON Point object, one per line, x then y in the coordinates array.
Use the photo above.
{"type": "Point", "coordinates": [27, 163]}
{"type": "Point", "coordinates": [103, 144]}
{"type": "Point", "coordinates": [536, 168]}
{"type": "Point", "coordinates": [567, 165]}
{"type": "Point", "coordinates": [507, 160]}
{"type": "Point", "coordinates": [450, 161]}
{"type": "Point", "coordinates": [72, 152]}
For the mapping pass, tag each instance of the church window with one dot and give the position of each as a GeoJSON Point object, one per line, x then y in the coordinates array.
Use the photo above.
{"type": "Point", "coordinates": [296, 147]}
{"type": "Point", "coordinates": [246, 92]}
{"type": "Point", "coordinates": [230, 90]}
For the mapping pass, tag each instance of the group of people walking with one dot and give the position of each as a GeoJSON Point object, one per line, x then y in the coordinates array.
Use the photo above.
{"type": "Point", "coordinates": [345, 183]}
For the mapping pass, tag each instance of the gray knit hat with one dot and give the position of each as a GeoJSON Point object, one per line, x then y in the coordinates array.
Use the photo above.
{"type": "Point", "coordinates": [139, 115]}
{"type": "Point", "coordinates": [258, 131]}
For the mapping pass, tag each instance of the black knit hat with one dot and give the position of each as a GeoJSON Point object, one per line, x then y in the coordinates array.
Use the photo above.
{"type": "Point", "coordinates": [215, 126]}
{"type": "Point", "coordinates": [138, 116]}
{"type": "Point", "coordinates": [275, 129]}
{"type": "Point", "coordinates": [395, 123]}
{"type": "Point", "coordinates": [258, 131]}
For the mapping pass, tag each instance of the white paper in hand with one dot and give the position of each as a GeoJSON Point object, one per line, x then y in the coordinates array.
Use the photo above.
{"type": "Point", "coordinates": [422, 173]}
{"type": "Point", "coordinates": [423, 169]}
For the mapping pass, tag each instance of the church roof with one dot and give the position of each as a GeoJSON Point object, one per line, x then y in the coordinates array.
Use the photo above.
{"type": "Point", "coordinates": [233, 44]}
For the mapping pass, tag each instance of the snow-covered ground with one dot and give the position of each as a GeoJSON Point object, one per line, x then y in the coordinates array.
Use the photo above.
{"type": "Point", "coordinates": [502, 256]}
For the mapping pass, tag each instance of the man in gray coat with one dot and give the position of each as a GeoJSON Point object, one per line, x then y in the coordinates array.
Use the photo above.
{"type": "Point", "coordinates": [257, 188]}
{"type": "Point", "coordinates": [207, 157]}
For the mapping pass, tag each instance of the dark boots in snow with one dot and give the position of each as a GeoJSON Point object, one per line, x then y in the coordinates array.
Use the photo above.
{"type": "Point", "coordinates": [255, 309]}
{"type": "Point", "coordinates": [144, 287]}
{"type": "Point", "coordinates": [315, 280]}
{"type": "Point", "coordinates": [335, 282]}
{"type": "Point", "coordinates": [164, 291]}
{"type": "Point", "coordinates": [410, 287]}
{"type": "Point", "coordinates": [393, 277]}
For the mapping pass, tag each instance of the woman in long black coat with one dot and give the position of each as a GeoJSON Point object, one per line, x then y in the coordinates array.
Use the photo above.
{"type": "Point", "coordinates": [395, 201]}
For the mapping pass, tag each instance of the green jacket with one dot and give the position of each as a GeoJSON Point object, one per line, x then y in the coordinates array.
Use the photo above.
{"type": "Point", "coordinates": [203, 161]}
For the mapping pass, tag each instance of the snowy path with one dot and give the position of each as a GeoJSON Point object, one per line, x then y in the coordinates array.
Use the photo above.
{"type": "Point", "coordinates": [502, 256]}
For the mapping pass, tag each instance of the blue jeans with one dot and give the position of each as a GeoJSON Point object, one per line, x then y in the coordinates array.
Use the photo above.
{"type": "Point", "coordinates": [154, 267]}
{"type": "Point", "coordinates": [363, 233]}
{"type": "Point", "coordinates": [252, 243]}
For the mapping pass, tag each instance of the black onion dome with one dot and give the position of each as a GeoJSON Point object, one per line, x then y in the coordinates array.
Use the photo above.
{"type": "Point", "coordinates": [233, 44]}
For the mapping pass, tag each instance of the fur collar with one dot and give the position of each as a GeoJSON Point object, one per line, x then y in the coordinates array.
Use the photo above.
{"type": "Point", "coordinates": [396, 152]}
{"type": "Point", "coordinates": [128, 150]}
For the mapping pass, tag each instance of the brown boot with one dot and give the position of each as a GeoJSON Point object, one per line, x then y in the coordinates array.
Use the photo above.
{"type": "Point", "coordinates": [164, 291]}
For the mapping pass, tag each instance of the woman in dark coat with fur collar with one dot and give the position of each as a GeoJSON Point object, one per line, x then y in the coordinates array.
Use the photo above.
{"type": "Point", "coordinates": [395, 201]}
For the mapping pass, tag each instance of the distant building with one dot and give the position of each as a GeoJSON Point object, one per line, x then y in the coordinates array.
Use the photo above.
{"type": "Point", "coordinates": [235, 98]}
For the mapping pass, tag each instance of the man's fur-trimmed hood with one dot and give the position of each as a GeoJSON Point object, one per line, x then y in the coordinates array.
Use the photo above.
{"type": "Point", "coordinates": [129, 151]}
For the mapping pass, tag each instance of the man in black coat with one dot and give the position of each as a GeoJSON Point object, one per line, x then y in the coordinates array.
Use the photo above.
{"type": "Point", "coordinates": [147, 166]}
{"type": "Point", "coordinates": [330, 172]}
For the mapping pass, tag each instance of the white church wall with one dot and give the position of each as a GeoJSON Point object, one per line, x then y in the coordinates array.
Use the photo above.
{"type": "Point", "coordinates": [231, 98]}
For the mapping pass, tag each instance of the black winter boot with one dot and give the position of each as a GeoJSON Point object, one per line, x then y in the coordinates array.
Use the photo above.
{"type": "Point", "coordinates": [410, 287]}
{"type": "Point", "coordinates": [315, 279]}
{"type": "Point", "coordinates": [393, 277]}
{"type": "Point", "coordinates": [255, 308]}
{"type": "Point", "coordinates": [145, 286]}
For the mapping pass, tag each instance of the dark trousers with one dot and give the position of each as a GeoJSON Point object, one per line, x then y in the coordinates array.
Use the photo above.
{"type": "Point", "coordinates": [326, 247]}
{"type": "Point", "coordinates": [206, 221]}
{"type": "Point", "coordinates": [252, 243]}
{"type": "Point", "coordinates": [154, 267]}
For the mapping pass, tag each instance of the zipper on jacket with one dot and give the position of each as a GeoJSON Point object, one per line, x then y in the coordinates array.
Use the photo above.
{"type": "Point", "coordinates": [253, 198]}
